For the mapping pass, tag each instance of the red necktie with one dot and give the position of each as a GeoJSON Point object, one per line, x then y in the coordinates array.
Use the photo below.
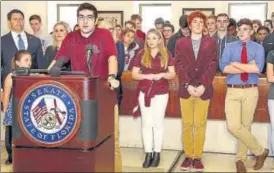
{"type": "Point", "coordinates": [244, 76]}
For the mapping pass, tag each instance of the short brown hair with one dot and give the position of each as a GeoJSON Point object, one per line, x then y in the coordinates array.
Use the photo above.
{"type": "Point", "coordinates": [257, 21]}
{"type": "Point", "coordinates": [212, 17]}
{"type": "Point", "coordinates": [170, 26]}
{"type": "Point", "coordinates": [222, 15]}
{"type": "Point", "coordinates": [35, 17]}
{"type": "Point", "coordinates": [245, 21]}
{"type": "Point", "coordinates": [129, 30]}
{"type": "Point", "coordinates": [131, 22]}
{"type": "Point", "coordinates": [136, 17]}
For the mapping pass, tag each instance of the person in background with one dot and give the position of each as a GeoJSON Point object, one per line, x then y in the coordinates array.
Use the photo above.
{"type": "Point", "coordinates": [76, 27]}
{"type": "Point", "coordinates": [21, 59]}
{"type": "Point", "coordinates": [168, 32]}
{"type": "Point", "coordinates": [270, 79]}
{"type": "Point", "coordinates": [60, 31]}
{"type": "Point", "coordinates": [18, 39]}
{"type": "Point", "coordinates": [256, 24]}
{"type": "Point", "coordinates": [119, 31]}
{"type": "Point", "coordinates": [211, 23]}
{"type": "Point", "coordinates": [131, 25]}
{"type": "Point", "coordinates": [205, 31]}
{"type": "Point", "coordinates": [222, 36]}
{"type": "Point", "coordinates": [131, 48]}
{"type": "Point", "coordinates": [262, 32]}
{"type": "Point", "coordinates": [182, 32]}
{"type": "Point", "coordinates": [232, 27]}
{"type": "Point", "coordinates": [121, 59]}
{"type": "Point", "coordinates": [35, 22]}
{"type": "Point", "coordinates": [268, 23]}
{"type": "Point", "coordinates": [153, 67]}
{"type": "Point", "coordinates": [159, 23]}
{"type": "Point", "coordinates": [138, 22]}
{"type": "Point", "coordinates": [196, 63]}
{"type": "Point", "coordinates": [243, 61]}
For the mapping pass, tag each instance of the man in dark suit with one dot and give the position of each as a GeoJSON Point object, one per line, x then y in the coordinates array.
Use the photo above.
{"type": "Point", "coordinates": [183, 32]}
{"type": "Point", "coordinates": [18, 39]}
{"type": "Point", "coordinates": [196, 64]}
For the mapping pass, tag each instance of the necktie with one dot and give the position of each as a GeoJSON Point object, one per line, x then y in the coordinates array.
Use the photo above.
{"type": "Point", "coordinates": [244, 76]}
{"type": "Point", "coordinates": [21, 45]}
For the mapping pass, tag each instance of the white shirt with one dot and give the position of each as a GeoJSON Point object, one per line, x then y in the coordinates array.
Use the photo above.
{"type": "Point", "coordinates": [16, 38]}
{"type": "Point", "coordinates": [45, 39]}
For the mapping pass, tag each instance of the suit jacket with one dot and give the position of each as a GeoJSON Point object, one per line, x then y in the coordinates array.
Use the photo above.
{"type": "Point", "coordinates": [8, 50]}
{"type": "Point", "coordinates": [121, 57]}
{"type": "Point", "coordinates": [48, 58]}
{"type": "Point", "coordinates": [172, 41]}
{"type": "Point", "coordinates": [196, 72]}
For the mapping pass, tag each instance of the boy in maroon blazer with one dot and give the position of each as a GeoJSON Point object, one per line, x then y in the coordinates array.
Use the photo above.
{"type": "Point", "coordinates": [196, 64]}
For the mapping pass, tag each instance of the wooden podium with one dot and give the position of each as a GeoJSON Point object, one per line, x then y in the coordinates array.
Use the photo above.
{"type": "Point", "coordinates": [63, 124]}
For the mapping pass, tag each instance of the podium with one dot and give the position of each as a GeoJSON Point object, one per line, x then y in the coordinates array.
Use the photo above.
{"type": "Point", "coordinates": [62, 124]}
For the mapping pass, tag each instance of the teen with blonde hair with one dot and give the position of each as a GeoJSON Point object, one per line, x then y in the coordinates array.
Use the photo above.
{"type": "Point", "coordinates": [153, 67]}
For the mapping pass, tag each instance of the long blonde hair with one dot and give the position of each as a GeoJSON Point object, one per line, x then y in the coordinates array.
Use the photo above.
{"type": "Point", "coordinates": [53, 35]}
{"type": "Point", "coordinates": [146, 59]}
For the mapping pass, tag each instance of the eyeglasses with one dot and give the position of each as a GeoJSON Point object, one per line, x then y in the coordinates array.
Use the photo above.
{"type": "Point", "coordinates": [18, 19]}
{"type": "Point", "coordinates": [88, 17]}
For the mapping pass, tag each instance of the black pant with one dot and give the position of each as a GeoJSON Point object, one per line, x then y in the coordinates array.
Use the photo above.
{"type": "Point", "coordinates": [119, 92]}
{"type": "Point", "coordinates": [8, 139]}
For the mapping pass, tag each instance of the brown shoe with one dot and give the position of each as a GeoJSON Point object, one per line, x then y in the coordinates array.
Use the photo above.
{"type": "Point", "coordinates": [260, 160]}
{"type": "Point", "coordinates": [240, 166]}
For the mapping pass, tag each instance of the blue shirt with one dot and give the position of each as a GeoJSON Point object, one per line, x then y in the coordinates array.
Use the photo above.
{"type": "Point", "coordinates": [232, 53]}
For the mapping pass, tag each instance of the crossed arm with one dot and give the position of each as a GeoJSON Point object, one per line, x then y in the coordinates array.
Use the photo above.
{"type": "Point", "coordinates": [230, 67]}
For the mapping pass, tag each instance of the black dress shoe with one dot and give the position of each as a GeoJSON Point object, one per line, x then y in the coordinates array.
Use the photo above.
{"type": "Point", "coordinates": [148, 160]}
{"type": "Point", "coordinates": [8, 161]}
{"type": "Point", "coordinates": [156, 160]}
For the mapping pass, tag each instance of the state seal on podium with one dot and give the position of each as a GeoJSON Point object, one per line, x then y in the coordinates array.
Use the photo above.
{"type": "Point", "coordinates": [49, 114]}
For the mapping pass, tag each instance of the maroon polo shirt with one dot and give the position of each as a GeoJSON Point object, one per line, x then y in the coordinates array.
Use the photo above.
{"type": "Point", "coordinates": [74, 49]}
{"type": "Point", "coordinates": [161, 86]}
{"type": "Point", "coordinates": [141, 34]}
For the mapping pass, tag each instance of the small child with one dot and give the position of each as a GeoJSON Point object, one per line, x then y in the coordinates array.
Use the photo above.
{"type": "Point", "coordinates": [21, 59]}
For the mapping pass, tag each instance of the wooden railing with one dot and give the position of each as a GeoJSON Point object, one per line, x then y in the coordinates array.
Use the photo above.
{"type": "Point", "coordinates": [217, 103]}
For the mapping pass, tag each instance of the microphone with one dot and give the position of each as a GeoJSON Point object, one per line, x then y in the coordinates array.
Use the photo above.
{"type": "Point", "coordinates": [89, 52]}
{"type": "Point", "coordinates": [22, 71]}
{"type": "Point", "coordinates": [60, 62]}
{"type": "Point", "coordinates": [56, 72]}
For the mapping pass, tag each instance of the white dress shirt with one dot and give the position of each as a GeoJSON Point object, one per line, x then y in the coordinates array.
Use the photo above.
{"type": "Point", "coordinates": [16, 39]}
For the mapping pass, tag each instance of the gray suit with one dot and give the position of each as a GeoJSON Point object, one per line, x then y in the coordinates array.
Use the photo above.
{"type": "Point", "coordinates": [8, 50]}
{"type": "Point", "coordinates": [221, 45]}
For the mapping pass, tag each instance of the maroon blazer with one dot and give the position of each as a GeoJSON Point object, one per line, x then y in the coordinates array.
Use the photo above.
{"type": "Point", "coordinates": [196, 72]}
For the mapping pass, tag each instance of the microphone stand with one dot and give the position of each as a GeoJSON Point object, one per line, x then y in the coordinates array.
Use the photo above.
{"type": "Point", "coordinates": [89, 66]}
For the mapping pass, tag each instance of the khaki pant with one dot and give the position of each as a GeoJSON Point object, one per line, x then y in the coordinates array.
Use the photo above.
{"type": "Point", "coordinates": [194, 117]}
{"type": "Point", "coordinates": [240, 105]}
{"type": "Point", "coordinates": [118, 157]}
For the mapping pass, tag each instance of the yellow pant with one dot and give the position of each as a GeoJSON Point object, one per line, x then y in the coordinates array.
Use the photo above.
{"type": "Point", "coordinates": [240, 105]}
{"type": "Point", "coordinates": [118, 157]}
{"type": "Point", "coordinates": [194, 117]}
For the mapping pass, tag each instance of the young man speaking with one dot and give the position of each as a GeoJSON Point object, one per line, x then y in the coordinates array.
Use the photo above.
{"type": "Point", "coordinates": [104, 56]}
